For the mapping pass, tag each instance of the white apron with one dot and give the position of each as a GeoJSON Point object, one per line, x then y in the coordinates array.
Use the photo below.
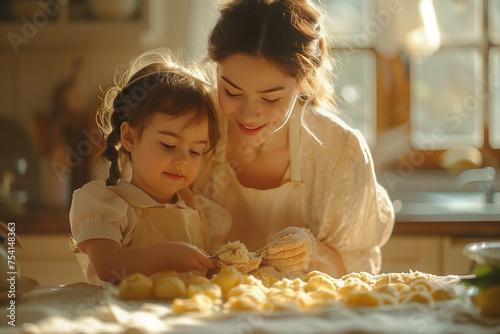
{"type": "Point", "coordinates": [159, 224]}
{"type": "Point", "coordinates": [254, 220]}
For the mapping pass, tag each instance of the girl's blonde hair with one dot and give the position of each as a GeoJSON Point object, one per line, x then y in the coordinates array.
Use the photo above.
{"type": "Point", "coordinates": [154, 82]}
{"type": "Point", "coordinates": [290, 33]}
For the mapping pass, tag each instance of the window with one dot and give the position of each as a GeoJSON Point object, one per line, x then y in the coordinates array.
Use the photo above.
{"type": "Point", "coordinates": [447, 88]}
{"type": "Point", "coordinates": [355, 81]}
{"type": "Point", "coordinates": [447, 53]}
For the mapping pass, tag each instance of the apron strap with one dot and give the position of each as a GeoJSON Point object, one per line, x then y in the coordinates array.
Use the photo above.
{"type": "Point", "coordinates": [220, 158]}
{"type": "Point", "coordinates": [121, 194]}
{"type": "Point", "coordinates": [293, 147]}
{"type": "Point", "coordinates": [294, 144]}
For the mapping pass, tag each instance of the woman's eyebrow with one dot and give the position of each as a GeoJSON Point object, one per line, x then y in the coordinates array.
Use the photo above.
{"type": "Point", "coordinates": [270, 90]}
{"type": "Point", "coordinates": [229, 82]}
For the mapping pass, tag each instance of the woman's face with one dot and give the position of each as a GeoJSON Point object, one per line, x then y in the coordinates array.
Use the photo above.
{"type": "Point", "coordinates": [255, 95]}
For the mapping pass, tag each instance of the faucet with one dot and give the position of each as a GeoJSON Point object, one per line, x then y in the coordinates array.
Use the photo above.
{"type": "Point", "coordinates": [486, 177]}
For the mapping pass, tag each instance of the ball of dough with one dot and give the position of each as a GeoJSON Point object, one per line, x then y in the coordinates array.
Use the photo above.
{"type": "Point", "coordinates": [227, 278]}
{"type": "Point", "coordinates": [361, 299]}
{"type": "Point", "coordinates": [321, 283]}
{"type": "Point", "coordinates": [136, 287]}
{"type": "Point", "coordinates": [267, 279]}
{"type": "Point", "coordinates": [197, 303]}
{"type": "Point", "coordinates": [197, 280]}
{"type": "Point", "coordinates": [212, 290]}
{"type": "Point", "coordinates": [169, 287]}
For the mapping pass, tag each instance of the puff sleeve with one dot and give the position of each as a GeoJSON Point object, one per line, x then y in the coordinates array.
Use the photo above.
{"type": "Point", "coordinates": [97, 212]}
{"type": "Point", "coordinates": [351, 214]}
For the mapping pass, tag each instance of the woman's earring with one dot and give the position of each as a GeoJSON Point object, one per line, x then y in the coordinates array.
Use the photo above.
{"type": "Point", "coordinates": [303, 96]}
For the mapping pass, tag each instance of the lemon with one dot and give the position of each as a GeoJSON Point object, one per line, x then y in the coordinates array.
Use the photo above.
{"type": "Point", "coordinates": [488, 301]}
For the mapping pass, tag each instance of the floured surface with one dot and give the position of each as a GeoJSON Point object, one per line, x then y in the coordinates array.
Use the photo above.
{"type": "Point", "coordinates": [84, 308]}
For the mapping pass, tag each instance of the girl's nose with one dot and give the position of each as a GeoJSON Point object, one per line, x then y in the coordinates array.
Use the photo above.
{"type": "Point", "coordinates": [181, 158]}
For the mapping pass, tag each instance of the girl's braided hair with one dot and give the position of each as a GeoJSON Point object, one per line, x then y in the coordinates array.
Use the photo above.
{"type": "Point", "coordinates": [156, 81]}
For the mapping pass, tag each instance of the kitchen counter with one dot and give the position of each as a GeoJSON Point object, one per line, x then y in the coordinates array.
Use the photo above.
{"type": "Point", "coordinates": [83, 308]}
{"type": "Point", "coordinates": [57, 222]}
{"type": "Point", "coordinates": [448, 213]}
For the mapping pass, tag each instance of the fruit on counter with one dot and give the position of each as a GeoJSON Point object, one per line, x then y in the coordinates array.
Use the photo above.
{"type": "Point", "coordinates": [488, 301]}
{"type": "Point", "coordinates": [487, 282]}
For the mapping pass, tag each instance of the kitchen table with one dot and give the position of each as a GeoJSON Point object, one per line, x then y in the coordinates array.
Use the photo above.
{"type": "Point", "coordinates": [84, 308]}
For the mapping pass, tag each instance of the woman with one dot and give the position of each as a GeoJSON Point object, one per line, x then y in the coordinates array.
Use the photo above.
{"type": "Point", "coordinates": [284, 158]}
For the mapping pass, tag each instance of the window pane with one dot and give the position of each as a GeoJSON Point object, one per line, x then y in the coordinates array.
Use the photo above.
{"type": "Point", "coordinates": [460, 21]}
{"type": "Point", "coordinates": [356, 87]}
{"type": "Point", "coordinates": [494, 21]}
{"type": "Point", "coordinates": [494, 121]}
{"type": "Point", "coordinates": [447, 100]}
{"type": "Point", "coordinates": [348, 22]}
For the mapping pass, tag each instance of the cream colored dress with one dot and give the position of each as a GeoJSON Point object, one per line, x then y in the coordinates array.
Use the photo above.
{"type": "Point", "coordinates": [128, 216]}
{"type": "Point", "coordinates": [329, 187]}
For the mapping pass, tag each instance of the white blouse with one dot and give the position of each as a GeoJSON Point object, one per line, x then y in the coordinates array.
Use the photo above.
{"type": "Point", "coordinates": [335, 194]}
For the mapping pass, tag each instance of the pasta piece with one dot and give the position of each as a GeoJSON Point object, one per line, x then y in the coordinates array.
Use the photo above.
{"type": "Point", "coordinates": [196, 303]}
{"type": "Point", "coordinates": [169, 287]}
{"type": "Point", "coordinates": [227, 278]}
{"type": "Point", "coordinates": [136, 287]}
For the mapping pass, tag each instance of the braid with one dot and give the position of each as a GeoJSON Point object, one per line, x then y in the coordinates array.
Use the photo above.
{"type": "Point", "coordinates": [153, 83]}
{"type": "Point", "coordinates": [113, 139]}
{"type": "Point", "coordinates": [111, 154]}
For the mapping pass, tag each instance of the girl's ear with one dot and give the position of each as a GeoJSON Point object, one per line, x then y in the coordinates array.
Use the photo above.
{"type": "Point", "coordinates": [127, 136]}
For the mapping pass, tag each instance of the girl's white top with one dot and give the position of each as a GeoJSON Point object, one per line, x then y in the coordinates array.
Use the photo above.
{"type": "Point", "coordinates": [330, 187]}
{"type": "Point", "coordinates": [127, 215]}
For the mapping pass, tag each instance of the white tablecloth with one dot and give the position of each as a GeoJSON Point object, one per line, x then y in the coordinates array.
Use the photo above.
{"type": "Point", "coordinates": [82, 308]}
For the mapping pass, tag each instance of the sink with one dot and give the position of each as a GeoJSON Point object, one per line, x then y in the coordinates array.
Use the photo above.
{"type": "Point", "coordinates": [445, 206]}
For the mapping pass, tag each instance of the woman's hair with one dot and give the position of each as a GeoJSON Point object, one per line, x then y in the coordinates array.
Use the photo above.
{"type": "Point", "coordinates": [154, 82]}
{"type": "Point", "coordinates": [290, 33]}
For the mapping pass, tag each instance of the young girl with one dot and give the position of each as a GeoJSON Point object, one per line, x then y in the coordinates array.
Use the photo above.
{"type": "Point", "coordinates": [285, 158]}
{"type": "Point", "coordinates": [158, 121]}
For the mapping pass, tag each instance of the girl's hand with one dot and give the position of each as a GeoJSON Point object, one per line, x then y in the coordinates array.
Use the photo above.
{"type": "Point", "coordinates": [185, 257]}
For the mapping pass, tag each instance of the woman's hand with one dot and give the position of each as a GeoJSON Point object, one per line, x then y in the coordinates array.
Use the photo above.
{"type": "Point", "coordinates": [185, 257]}
{"type": "Point", "coordinates": [290, 250]}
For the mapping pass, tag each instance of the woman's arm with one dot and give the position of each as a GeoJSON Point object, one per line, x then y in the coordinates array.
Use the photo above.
{"type": "Point", "coordinates": [108, 258]}
{"type": "Point", "coordinates": [357, 216]}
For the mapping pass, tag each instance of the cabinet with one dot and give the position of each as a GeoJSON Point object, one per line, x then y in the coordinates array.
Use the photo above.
{"type": "Point", "coordinates": [404, 253]}
{"type": "Point", "coordinates": [47, 259]}
{"type": "Point", "coordinates": [73, 24]}
{"type": "Point", "coordinates": [439, 255]}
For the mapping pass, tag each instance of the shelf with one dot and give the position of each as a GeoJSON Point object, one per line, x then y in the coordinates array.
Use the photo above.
{"type": "Point", "coordinates": [62, 28]}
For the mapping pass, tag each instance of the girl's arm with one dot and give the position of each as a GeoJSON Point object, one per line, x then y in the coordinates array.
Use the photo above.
{"type": "Point", "coordinates": [110, 260]}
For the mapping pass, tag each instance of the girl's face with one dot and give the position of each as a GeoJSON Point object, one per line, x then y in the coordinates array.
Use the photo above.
{"type": "Point", "coordinates": [255, 95]}
{"type": "Point", "coordinates": [166, 157]}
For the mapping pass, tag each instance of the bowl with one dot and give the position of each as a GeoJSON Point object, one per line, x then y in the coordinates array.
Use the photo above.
{"type": "Point", "coordinates": [484, 253]}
